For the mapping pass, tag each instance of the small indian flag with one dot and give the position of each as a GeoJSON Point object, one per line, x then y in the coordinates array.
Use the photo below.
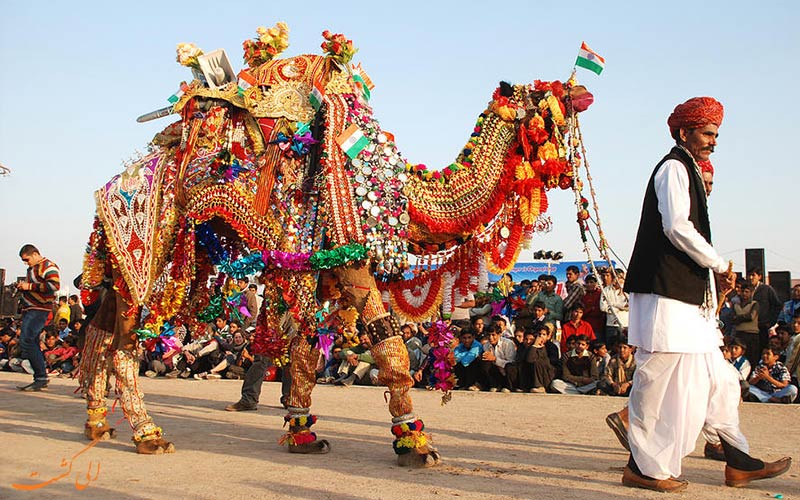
{"type": "Point", "coordinates": [589, 59]}
{"type": "Point", "coordinates": [362, 81]}
{"type": "Point", "coordinates": [246, 80]}
{"type": "Point", "coordinates": [317, 93]}
{"type": "Point", "coordinates": [177, 95]}
{"type": "Point", "coordinates": [352, 141]}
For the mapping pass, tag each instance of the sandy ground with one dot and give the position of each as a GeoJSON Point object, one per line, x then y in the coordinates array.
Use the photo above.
{"type": "Point", "coordinates": [494, 446]}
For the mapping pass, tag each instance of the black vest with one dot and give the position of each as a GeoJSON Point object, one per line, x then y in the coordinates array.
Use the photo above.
{"type": "Point", "coordinates": [656, 265]}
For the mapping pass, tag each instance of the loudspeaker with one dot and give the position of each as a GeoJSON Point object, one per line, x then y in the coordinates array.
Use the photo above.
{"type": "Point", "coordinates": [781, 281]}
{"type": "Point", "coordinates": [754, 258]}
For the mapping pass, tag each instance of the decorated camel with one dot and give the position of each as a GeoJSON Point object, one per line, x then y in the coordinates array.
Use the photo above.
{"type": "Point", "coordinates": [285, 173]}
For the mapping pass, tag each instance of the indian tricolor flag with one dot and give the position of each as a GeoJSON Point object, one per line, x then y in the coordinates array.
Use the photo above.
{"type": "Point", "coordinates": [316, 95]}
{"type": "Point", "coordinates": [352, 140]}
{"type": "Point", "coordinates": [362, 81]}
{"type": "Point", "coordinates": [177, 95]}
{"type": "Point", "coordinates": [589, 59]}
{"type": "Point", "coordinates": [246, 80]}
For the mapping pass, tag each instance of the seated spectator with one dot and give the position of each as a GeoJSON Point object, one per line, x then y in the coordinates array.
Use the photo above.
{"type": "Point", "coordinates": [517, 375]}
{"type": "Point", "coordinates": [739, 360]}
{"type": "Point", "coordinates": [199, 355]}
{"type": "Point", "coordinates": [551, 348]}
{"type": "Point", "coordinates": [618, 378]}
{"type": "Point", "coordinates": [467, 356]}
{"type": "Point", "coordinates": [770, 381]}
{"type": "Point", "coordinates": [356, 363]}
{"type": "Point", "coordinates": [236, 361]}
{"type": "Point", "coordinates": [783, 337]}
{"type": "Point", "coordinates": [575, 326]}
{"type": "Point", "coordinates": [533, 317]}
{"type": "Point", "coordinates": [63, 329]}
{"type": "Point", "coordinates": [478, 326]}
{"type": "Point", "coordinates": [497, 353]}
{"type": "Point", "coordinates": [5, 345]}
{"type": "Point", "coordinates": [745, 321]}
{"type": "Point", "coordinates": [579, 374]}
{"type": "Point", "coordinates": [793, 352]}
{"type": "Point", "coordinates": [63, 358]}
{"type": "Point", "coordinates": [539, 371]}
{"type": "Point", "coordinates": [414, 348]}
{"type": "Point", "coordinates": [505, 328]}
{"type": "Point", "coordinates": [601, 356]}
{"type": "Point", "coordinates": [15, 361]}
{"type": "Point", "coordinates": [220, 327]}
{"type": "Point", "coordinates": [328, 372]}
{"type": "Point", "coordinates": [790, 307]}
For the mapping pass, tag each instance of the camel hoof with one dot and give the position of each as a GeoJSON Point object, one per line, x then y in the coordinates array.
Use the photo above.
{"type": "Point", "coordinates": [102, 433]}
{"type": "Point", "coordinates": [420, 459]}
{"type": "Point", "coordinates": [318, 447]}
{"type": "Point", "coordinates": [154, 447]}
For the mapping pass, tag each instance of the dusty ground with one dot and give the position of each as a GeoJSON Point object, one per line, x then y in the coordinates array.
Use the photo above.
{"type": "Point", "coordinates": [494, 446]}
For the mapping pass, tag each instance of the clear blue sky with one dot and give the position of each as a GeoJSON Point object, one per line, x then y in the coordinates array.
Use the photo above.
{"type": "Point", "coordinates": [77, 74]}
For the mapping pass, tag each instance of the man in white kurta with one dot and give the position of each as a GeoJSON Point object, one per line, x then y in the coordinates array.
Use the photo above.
{"type": "Point", "coordinates": [682, 381]}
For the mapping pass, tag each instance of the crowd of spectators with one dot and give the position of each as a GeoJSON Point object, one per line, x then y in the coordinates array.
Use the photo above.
{"type": "Point", "coordinates": [570, 339]}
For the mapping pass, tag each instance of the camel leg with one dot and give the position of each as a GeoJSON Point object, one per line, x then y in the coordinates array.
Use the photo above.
{"type": "Point", "coordinates": [412, 446]}
{"type": "Point", "coordinates": [93, 381]}
{"type": "Point", "coordinates": [146, 435]}
{"type": "Point", "coordinates": [300, 438]}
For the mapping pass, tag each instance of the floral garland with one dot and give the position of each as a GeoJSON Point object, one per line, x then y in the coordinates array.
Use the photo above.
{"type": "Point", "coordinates": [429, 299]}
{"type": "Point", "coordinates": [94, 260]}
{"type": "Point", "coordinates": [337, 47]}
{"type": "Point", "coordinates": [409, 436]}
{"type": "Point", "coordinates": [463, 161]}
{"type": "Point", "coordinates": [440, 338]}
{"type": "Point", "coordinates": [270, 42]}
{"type": "Point", "coordinates": [498, 264]}
{"type": "Point", "coordinates": [268, 340]}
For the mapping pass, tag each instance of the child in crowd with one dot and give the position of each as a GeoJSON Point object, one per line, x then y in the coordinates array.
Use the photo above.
{"type": "Point", "coordinates": [63, 358]}
{"type": "Point", "coordinates": [600, 356]}
{"type": "Point", "coordinates": [467, 355]}
{"type": "Point", "coordinates": [770, 380]}
{"type": "Point", "coordinates": [63, 329]}
{"type": "Point", "coordinates": [739, 360]}
{"type": "Point", "coordinates": [5, 343]}
{"type": "Point", "coordinates": [540, 371]}
{"type": "Point", "coordinates": [618, 378]}
{"type": "Point", "coordinates": [579, 372]}
{"type": "Point", "coordinates": [745, 320]}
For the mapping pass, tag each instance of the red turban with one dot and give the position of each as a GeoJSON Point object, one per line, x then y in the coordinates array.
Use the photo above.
{"type": "Point", "coordinates": [706, 166]}
{"type": "Point", "coordinates": [694, 113]}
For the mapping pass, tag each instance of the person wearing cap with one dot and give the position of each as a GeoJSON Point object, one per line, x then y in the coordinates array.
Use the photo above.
{"type": "Point", "coordinates": [682, 382]}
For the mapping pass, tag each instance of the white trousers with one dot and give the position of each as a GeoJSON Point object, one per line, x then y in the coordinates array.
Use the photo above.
{"type": "Point", "coordinates": [674, 396]}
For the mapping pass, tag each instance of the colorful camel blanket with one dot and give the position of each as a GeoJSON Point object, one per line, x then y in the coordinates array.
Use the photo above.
{"type": "Point", "coordinates": [128, 206]}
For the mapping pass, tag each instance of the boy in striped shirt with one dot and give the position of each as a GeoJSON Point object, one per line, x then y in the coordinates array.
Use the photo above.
{"type": "Point", "coordinates": [38, 293]}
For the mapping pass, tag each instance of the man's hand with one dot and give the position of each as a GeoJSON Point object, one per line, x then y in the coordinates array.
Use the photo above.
{"type": "Point", "coordinates": [190, 357]}
{"type": "Point", "coordinates": [489, 356]}
{"type": "Point", "coordinates": [727, 280]}
{"type": "Point", "coordinates": [418, 375]}
{"type": "Point", "coordinates": [352, 359]}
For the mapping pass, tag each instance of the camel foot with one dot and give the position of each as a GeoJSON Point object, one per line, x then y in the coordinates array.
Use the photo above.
{"type": "Point", "coordinates": [427, 457]}
{"type": "Point", "coordinates": [154, 447]}
{"type": "Point", "coordinates": [100, 433]}
{"type": "Point", "coordinates": [318, 447]}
